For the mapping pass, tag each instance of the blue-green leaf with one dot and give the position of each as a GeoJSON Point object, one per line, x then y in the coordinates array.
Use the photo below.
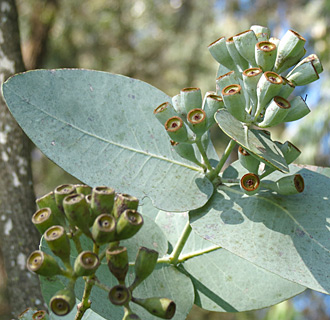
{"type": "Point", "coordinates": [100, 128]}
{"type": "Point", "coordinates": [287, 235]}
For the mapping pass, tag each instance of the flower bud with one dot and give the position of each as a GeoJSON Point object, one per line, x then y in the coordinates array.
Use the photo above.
{"type": "Point", "coordinates": [86, 264]}
{"type": "Point", "coordinates": [43, 219]}
{"type": "Point", "coordinates": [275, 112]}
{"type": "Point", "coordinates": [118, 262]}
{"type": "Point", "coordinates": [245, 43]}
{"type": "Point", "coordinates": [120, 295]}
{"type": "Point", "coordinates": [102, 200]}
{"type": "Point", "coordinates": [43, 264]}
{"type": "Point", "coordinates": [250, 183]}
{"type": "Point", "coordinates": [298, 109]}
{"type": "Point", "coordinates": [124, 201]}
{"type": "Point", "coordinates": [160, 307]}
{"type": "Point", "coordinates": [177, 130]}
{"type": "Point", "coordinates": [248, 161]}
{"type": "Point", "coordinates": [62, 302]}
{"type": "Point", "coordinates": [145, 264]}
{"type": "Point", "coordinates": [286, 89]}
{"type": "Point", "coordinates": [191, 98]}
{"type": "Point", "coordinates": [268, 87]}
{"type": "Point", "coordinates": [265, 52]}
{"type": "Point", "coordinates": [58, 242]}
{"type": "Point", "coordinates": [128, 224]}
{"type": "Point", "coordinates": [48, 201]}
{"type": "Point", "coordinates": [104, 229]}
{"type": "Point", "coordinates": [226, 80]}
{"type": "Point", "coordinates": [250, 80]}
{"type": "Point", "coordinates": [197, 121]}
{"type": "Point", "coordinates": [289, 185]}
{"type": "Point", "coordinates": [234, 100]}
{"type": "Point", "coordinates": [83, 188]}
{"type": "Point", "coordinates": [262, 33]}
{"type": "Point", "coordinates": [212, 103]}
{"type": "Point", "coordinates": [289, 47]}
{"type": "Point", "coordinates": [185, 151]}
{"type": "Point", "coordinates": [303, 74]}
{"type": "Point", "coordinates": [77, 212]}
{"type": "Point", "coordinates": [164, 111]}
{"type": "Point", "coordinates": [219, 51]}
{"type": "Point", "coordinates": [241, 63]}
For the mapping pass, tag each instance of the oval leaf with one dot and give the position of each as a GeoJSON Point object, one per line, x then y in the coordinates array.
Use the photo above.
{"type": "Point", "coordinates": [100, 128]}
{"type": "Point", "coordinates": [223, 281]}
{"type": "Point", "coordinates": [287, 235]}
{"type": "Point", "coordinates": [257, 143]}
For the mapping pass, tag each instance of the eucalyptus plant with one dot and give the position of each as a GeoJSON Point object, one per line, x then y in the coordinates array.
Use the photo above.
{"type": "Point", "coordinates": [232, 240]}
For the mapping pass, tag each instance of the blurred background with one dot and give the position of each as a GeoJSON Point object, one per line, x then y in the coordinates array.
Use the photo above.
{"type": "Point", "coordinates": [164, 42]}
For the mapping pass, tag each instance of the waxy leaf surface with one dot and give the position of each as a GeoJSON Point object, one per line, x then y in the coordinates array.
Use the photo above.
{"type": "Point", "coordinates": [254, 141]}
{"type": "Point", "coordinates": [100, 128]}
{"type": "Point", "coordinates": [223, 281]}
{"type": "Point", "coordinates": [287, 235]}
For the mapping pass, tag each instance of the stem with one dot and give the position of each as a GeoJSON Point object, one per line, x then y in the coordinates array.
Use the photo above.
{"type": "Point", "coordinates": [85, 302]}
{"type": "Point", "coordinates": [230, 180]}
{"type": "Point", "coordinates": [77, 243]}
{"type": "Point", "coordinates": [203, 154]}
{"type": "Point", "coordinates": [180, 244]}
{"type": "Point", "coordinates": [214, 173]}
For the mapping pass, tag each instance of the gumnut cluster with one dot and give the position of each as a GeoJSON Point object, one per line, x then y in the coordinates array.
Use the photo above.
{"type": "Point", "coordinates": [105, 218]}
{"type": "Point", "coordinates": [255, 81]}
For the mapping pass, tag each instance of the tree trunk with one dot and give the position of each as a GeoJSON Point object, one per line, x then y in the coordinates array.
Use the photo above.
{"type": "Point", "coordinates": [17, 234]}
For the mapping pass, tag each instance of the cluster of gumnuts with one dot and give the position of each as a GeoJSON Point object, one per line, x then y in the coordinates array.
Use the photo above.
{"type": "Point", "coordinates": [106, 218]}
{"type": "Point", "coordinates": [256, 77]}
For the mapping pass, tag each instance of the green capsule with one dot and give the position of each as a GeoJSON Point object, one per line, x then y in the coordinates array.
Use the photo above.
{"type": "Point", "coordinates": [102, 200]}
{"type": "Point", "coordinates": [290, 185]}
{"type": "Point", "coordinates": [177, 130]}
{"type": "Point", "coordinates": [128, 315]}
{"type": "Point", "coordinates": [83, 188]}
{"type": "Point", "coordinates": [250, 183]}
{"type": "Point", "coordinates": [48, 201]}
{"type": "Point", "coordinates": [61, 192]}
{"type": "Point", "coordinates": [269, 85]}
{"type": "Point", "coordinates": [219, 51]}
{"type": "Point", "coordinates": [160, 307]}
{"type": "Point", "coordinates": [86, 264]}
{"type": "Point", "coordinates": [289, 47]}
{"type": "Point", "coordinates": [165, 111]}
{"type": "Point", "coordinates": [104, 229]}
{"type": "Point", "coordinates": [77, 212]}
{"type": "Point", "coordinates": [265, 52]}
{"type": "Point", "coordinates": [250, 80]}
{"type": "Point", "coordinates": [118, 262]}
{"type": "Point", "coordinates": [185, 151]}
{"type": "Point", "coordinates": [234, 100]}
{"type": "Point", "coordinates": [275, 112]}
{"type": "Point", "coordinates": [176, 102]}
{"type": "Point", "coordinates": [303, 74]}
{"type": "Point", "coordinates": [290, 151]}
{"type": "Point", "coordinates": [298, 110]}
{"type": "Point", "coordinates": [248, 161]}
{"type": "Point", "coordinates": [226, 80]}
{"type": "Point", "coordinates": [241, 63]}
{"type": "Point", "coordinates": [124, 201]}
{"type": "Point", "coordinates": [212, 103]}
{"type": "Point", "coordinates": [43, 264]}
{"type": "Point", "coordinates": [197, 121]}
{"type": "Point", "coordinates": [262, 33]}
{"type": "Point", "coordinates": [191, 98]}
{"type": "Point", "coordinates": [245, 43]}
{"type": "Point", "coordinates": [62, 302]}
{"type": "Point", "coordinates": [128, 224]}
{"type": "Point", "coordinates": [120, 295]}
{"type": "Point", "coordinates": [145, 264]}
{"type": "Point", "coordinates": [43, 219]}
{"type": "Point", "coordinates": [286, 89]}
{"type": "Point", "coordinates": [58, 242]}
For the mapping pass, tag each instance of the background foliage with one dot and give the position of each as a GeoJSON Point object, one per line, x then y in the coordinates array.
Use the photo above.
{"type": "Point", "coordinates": [164, 43]}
